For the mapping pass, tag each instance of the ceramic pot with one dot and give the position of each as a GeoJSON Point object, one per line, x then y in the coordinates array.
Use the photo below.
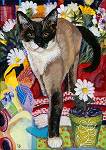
{"type": "Point", "coordinates": [85, 130]}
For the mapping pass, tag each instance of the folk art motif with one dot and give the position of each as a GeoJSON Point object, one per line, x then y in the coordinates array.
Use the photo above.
{"type": "Point", "coordinates": [24, 107]}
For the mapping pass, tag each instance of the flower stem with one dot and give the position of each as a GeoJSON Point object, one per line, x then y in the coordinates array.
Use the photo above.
{"type": "Point", "coordinates": [85, 107]}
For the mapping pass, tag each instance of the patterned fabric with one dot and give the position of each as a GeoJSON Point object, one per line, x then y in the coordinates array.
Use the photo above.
{"type": "Point", "coordinates": [65, 134]}
{"type": "Point", "coordinates": [102, 138]}
{"type": "Point", "coordinates": [7, 12]}
{"type": "Point", "coordinates": [25, 96]}
{"type": "Point", "coordinates": [26, 77]}
{"type": "Point", "coordinates": [41, 105]}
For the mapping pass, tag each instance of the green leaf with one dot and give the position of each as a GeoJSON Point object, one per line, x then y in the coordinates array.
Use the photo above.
{"type": "Point", "coordinates": [3, 48]}
{"type": "Point", "coordinates": [86, 52]}
{"type": "Point", "coordinates": [90, 100]}
{"type": "Point", "coordinates": [87, 19]}
{"type": "Point", "coordinates": [11, 40]}
{"type": "Point", "coordinates": [79, 103]}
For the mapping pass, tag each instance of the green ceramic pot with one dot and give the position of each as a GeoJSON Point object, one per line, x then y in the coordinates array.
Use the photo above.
{"type": "Point", "coordinates": [85, 130]}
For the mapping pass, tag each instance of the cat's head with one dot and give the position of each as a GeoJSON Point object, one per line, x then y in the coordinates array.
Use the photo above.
{"type": "Point", "coordinates": [40, 32]}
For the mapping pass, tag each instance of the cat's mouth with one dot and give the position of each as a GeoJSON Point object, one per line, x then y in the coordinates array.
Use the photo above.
{"type": "Point", "coordinates": [33, 46]}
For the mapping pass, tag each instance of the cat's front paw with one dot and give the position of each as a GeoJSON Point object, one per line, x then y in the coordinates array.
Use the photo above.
{"type": "Point", "coordinates": [55, 142]}
{"type": "Point", "coordinates": [41, 120]}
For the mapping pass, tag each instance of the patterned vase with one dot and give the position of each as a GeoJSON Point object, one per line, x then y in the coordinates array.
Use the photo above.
{"type": "Point", "coordinates": [85, 130]}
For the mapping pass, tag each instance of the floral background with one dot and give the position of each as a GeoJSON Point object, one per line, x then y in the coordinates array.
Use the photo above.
{"type": "Point", "coordinates": [21, 98]}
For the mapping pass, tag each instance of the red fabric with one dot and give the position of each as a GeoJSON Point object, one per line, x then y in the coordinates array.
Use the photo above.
{"type": "Point", "coordinates": [36, 90]}
{"type": "Point", "coordinates": [43, 107]}
{"type": "Point", "coordinates": [6, 12]}
{"type": "Point", "coordinates": [103, 4]}
{"type": "Point", "coordinates": [98, 77]}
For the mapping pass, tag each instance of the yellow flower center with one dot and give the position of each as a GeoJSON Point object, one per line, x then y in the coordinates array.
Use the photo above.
{"type": "Point", "coordinates": [17, 59]}
{"type": "Point", "coordinates": [63, 14]}
{"type": "Point", "coordinates": [85, 90]}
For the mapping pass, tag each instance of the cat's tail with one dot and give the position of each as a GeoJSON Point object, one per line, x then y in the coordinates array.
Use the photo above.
{"type": "Point", "coordinates": [92, 41]}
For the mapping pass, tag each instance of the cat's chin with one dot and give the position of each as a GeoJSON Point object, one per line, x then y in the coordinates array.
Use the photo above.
{"type": "Point", "coordinates": [31, 46]}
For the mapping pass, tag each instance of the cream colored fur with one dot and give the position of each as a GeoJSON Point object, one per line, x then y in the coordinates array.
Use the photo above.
{"type": "Point", "coordinates": [40, 58]}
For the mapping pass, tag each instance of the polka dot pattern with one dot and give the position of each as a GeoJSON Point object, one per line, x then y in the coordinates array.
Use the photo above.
{"type": "Point", "coordinates": [102, 138]}
{"type": "Point", "coordinates": [65, 133]}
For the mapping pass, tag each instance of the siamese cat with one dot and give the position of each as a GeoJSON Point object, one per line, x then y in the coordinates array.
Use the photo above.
{"type": "Point", "coordinates": [53, 51]}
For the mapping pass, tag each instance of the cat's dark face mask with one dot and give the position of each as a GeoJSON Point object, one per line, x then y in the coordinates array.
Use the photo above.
{"type": "Point", "coordinates": [40, 32]}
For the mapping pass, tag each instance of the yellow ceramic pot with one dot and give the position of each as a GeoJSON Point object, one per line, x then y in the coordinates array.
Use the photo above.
{"type": "Point", "coordinates": [85, 130]}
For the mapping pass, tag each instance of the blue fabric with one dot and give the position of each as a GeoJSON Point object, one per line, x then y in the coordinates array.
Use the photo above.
{"type": "Point", "coordinates": [35, 131]}
{"type": "Point", "coordinates": [8, 98]}
{"type": "Point", "coordinates": [25, 96]}
{"type": "Point", "coordinates": [21, 94]}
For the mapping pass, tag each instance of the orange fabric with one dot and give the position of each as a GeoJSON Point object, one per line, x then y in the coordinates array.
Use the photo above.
{"type": "Point", "coordinates": [59, 2]}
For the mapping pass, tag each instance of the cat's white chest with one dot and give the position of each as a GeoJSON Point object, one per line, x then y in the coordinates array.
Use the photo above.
{"type": "Point", "coordinates": [40, 58]}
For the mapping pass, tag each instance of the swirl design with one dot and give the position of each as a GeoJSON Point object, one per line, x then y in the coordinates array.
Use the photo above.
{"type": "Point", "coordinates": [85, 130]}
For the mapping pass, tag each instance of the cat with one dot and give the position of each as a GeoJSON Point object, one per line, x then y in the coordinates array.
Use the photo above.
{"type": "Point", "coordinates": [53, 50]}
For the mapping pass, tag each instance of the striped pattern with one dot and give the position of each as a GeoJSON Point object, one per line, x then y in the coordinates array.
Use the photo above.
{"type": "Point", "coordinates": [7, 12]}
{"type": "Point", "coordinates": [41, 105]}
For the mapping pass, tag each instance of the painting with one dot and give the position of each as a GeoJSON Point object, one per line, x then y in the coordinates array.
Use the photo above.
{"type": "Point", "coordinates": [29, 116]}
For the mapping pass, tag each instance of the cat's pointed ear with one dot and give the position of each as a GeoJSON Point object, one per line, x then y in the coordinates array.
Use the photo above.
{"type": "Point", "coordinates": [23, 20]}
{"type": "Point", "coordinates": [51, 18]}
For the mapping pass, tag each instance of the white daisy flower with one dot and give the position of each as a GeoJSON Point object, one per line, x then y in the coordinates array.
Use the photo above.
{"type": "Point", "coordinates": [73, 6]}
{"type": "Point", "coordinates": [49, 7]}
{"type": "Point", "coordinates": [95, 31]}
{"type": "Point", "coordinates": [84, 89]}
{"type": "Point", "coordinates": [9, 24]}
{"type": "Point", "coordinates": [28, 7]}
{"type": "Point", "coordinates": [1, 35]}
{"type": "Point", "coordinates": [64, 12]}
{"type": "Point", "coordinates": [15, 56]}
